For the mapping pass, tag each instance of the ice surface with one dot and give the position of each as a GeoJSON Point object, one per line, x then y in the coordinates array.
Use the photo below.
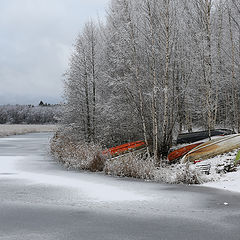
{"type": "Point", "coordinates": [42, 200]}
{"type": "Point", "coordinates": [34, 166]}
{"type": "Point", "coordinates": [8, 164]}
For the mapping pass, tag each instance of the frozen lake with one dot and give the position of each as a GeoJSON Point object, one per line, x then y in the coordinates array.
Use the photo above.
{"type": "Point", "coordinates": [41, 200]}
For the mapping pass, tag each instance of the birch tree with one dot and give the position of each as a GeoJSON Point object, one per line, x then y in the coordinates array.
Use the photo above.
{"type": "Point", "coordinates": [80, 84]}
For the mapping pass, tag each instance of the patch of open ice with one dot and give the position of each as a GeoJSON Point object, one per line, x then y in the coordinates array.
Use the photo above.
{"type": "Point", "coordinates": [90, 189]}
{"type": "Point", "coordinates": [8, 164]}
{"type": "Point", "coordinates": [95, 191]}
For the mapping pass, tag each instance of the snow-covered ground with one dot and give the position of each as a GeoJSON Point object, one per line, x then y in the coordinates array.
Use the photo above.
{"type": "Point", "coordinates": [226, 181]}
{"type": "Point", "coordinates": [229, 181]}
{"type": "Point", "coordinates": [14, 129]}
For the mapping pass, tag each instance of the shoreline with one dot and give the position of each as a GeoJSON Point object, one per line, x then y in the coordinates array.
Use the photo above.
{"type": "Point", "coordinates": [18, 129]}
{"type": "Point", "coordinates": [228, 182]}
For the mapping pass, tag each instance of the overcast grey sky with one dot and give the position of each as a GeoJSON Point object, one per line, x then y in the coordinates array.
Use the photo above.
{"type": "Point", "coordinates": [36, 38]}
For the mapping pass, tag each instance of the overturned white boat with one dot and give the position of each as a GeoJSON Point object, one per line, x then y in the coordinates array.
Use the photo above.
{"type": "Point", "coordinates": [213, 148]}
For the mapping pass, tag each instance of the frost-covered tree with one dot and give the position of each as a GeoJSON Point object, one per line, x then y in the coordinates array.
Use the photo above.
{"type": "Point", "coordinates": [155, 68]}
{"type": "Point", "coordinates": [81, 84]}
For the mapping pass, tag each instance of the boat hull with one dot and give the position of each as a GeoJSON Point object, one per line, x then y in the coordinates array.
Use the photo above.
{"type": "Point", "coordinates": [213, 148]}
{"type": "Point", "coordinates": [175, 155]}
{"type": "Point", "coordinates": [200, 135]}
{"type": "Point", "coordinates": [124, 148]}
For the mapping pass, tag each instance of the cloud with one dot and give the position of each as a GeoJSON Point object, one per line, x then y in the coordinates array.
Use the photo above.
{"type": "Point", "coordinates": [35, 44]}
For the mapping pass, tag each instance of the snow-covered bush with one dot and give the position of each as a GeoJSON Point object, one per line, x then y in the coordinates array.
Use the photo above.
{"type": "Point", "coordinates": [134, 166]}
{"type": "Point", "coordinates": [77, 154]}
{"type": "Point", "coordinates": [130, 165]}
{"type": "Point", "coordinates": [179, 173]}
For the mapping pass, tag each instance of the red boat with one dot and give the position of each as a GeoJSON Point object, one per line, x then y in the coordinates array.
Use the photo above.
{"type": "Point", "coordinates": [181, 152]}
{"type": "Point", "coordinates": [125, 148]}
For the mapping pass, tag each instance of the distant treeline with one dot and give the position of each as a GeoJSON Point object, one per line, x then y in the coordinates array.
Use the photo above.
{"type": "Point", "coordinates": [29, 114]}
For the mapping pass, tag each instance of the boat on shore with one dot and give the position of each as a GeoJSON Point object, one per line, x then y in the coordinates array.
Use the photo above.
{"type": "Point", "coordinates": [213, 148]}
{"type": "Point", "coordinates": [125, 148]}
{"type": "Point", "coordinates": [178, 153]}
{"type": "Point", "coordinates": [200, 135]}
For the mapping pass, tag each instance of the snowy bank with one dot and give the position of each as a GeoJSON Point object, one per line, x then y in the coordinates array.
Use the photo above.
{"type": "Point", "coordinates": [14, 129]}
{"type": "Point", "coordinates": [82, 156]}
{"type": "Point", "coordinates": [229, 181]}
{"type": "Point", "coordinates": [224, 180]}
